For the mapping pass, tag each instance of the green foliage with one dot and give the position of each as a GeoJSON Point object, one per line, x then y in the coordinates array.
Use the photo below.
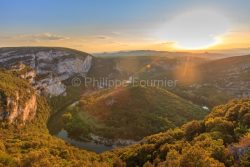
{"type": "Point", "coordinates": [206, 95]}
{"type": "Point", "coordinates": [245, 159]}
{"type": "Point", "coordinates": [199, 143]}
{"type": "Point", "coordinates": [244, 150]}
{"type": "Point", "coordinates": [240, 130]}
{"type": "Point", "coordinates": [6, 159]}
{"type": "Point", "coordinates": [223, 127]}
{"type": "Point", "coordinates": [198, 157]}
{"type": "Point", "coordinates": [138, 155]}
{"type": "Point", "coordinates": [67, 117]}
{"type": "Point", "coordinates": [193, 128]}
{"type": "Point", "coordinates": [221, 139]}
{"type": "Point", "coordinates": [10, 86]}
{"type": "Point", "coordinates": [30, 144]}
{"type": "Point", "coordinates": [119, 163]}
{"type": "Point", "coordinates": [132, 112]}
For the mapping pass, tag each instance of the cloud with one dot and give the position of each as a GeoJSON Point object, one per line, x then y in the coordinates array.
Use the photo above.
{"type": "Point", "coordinates": [38, 37]}
{"type": "Point", "coordinates": [50, 37]}
{"type": "Point", "coordinates": [167, 43]}
{"type": "Point", "coordinates": [115, 33]}
{"type": "Point", "coordinates": [97, 39]}
{"type": "Point", "coordinates": [102, 37]}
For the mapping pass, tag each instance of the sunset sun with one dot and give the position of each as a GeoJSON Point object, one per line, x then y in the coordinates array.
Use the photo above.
{"type": "Point", "coordinates": [197, 29]}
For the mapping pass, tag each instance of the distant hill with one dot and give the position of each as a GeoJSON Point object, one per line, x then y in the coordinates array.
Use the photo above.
{"type": "Point", "coordinates": [207, 80]}
{"type": "Point", "coordinates": [213, 82]}
{"type": "Point", "coordinates": [148, 67]}
{"type": "Point", "coordinates": [230, 74]}
{"type": "Point", "coordinates": [159, 53]}
{"type": "Point", "coordinates": [227, 64]}
{"type": "Point", "coordinates": [131, 112]}
{"type": "Point", "coordinates": [232, 52]}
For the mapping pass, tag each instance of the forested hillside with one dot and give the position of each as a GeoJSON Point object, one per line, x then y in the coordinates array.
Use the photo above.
{"type": "Point", "coordinates": [29, 143]}
{"type": "Point", "coordinates": [221, 139]}
{"type": "Point", "coordinates": [130, 112]}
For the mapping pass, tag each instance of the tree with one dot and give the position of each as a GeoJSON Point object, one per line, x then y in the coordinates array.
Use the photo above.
{"type": "Point", "coordinates": [197, 157]}
{"type": "Point", "coordinates": [245, 159]}
{"type": "Point", "coordinates": [173, 159]}
{"type": "Point", "coordinates": [220, 128]}
{"type": "Point", "coordinates": [119, 163]}
{"type": "Point", "coordinates": [67, 117]}
{"type": "Point", "coordinates": [193, 128]}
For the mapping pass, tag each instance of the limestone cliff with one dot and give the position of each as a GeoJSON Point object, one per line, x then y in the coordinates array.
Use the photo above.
{"type": "Point", "coordinates": [18, 101]}
{"type": "Point", "coordinates": [52, 66]}
{"type": "Point", "coordinates": [16, 111]}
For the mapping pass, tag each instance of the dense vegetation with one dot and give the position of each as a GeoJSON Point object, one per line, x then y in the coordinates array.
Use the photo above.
{"type": "Point", "coordinates": [130, 112]}
{"type": "Point", "coordinates": [31, 144]}
{"type": "Point", "coordinates": [221, 139]}
{"type": "Point", "coordinates": [10, 85]}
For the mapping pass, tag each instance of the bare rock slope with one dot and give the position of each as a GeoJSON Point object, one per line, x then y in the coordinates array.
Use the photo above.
{"type": "Point", "coordinates": [49, 66]}
{"type": "Point", "coordinates": [18, 100]}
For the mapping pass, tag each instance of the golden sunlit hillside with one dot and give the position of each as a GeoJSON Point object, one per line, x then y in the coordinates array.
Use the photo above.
{"type": "Point", "coordinates": [130, 83]}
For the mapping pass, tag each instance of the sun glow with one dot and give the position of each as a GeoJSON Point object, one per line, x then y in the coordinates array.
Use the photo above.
{"type": "Point", "coordinates": [194, 46]}
{"type": "Point", "coordinates": [196, 29]}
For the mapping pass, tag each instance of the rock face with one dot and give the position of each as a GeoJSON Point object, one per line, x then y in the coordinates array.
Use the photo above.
{"type": "Point", "coordinates": [51, 65]}
{"type": "Point", "coordinates": [18, 101]}
{"type": "Point", "coordinates": [15, 111]}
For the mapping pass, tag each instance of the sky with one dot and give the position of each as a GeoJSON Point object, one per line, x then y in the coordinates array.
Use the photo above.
{"type": "Point", "coordinates": [113, 25]}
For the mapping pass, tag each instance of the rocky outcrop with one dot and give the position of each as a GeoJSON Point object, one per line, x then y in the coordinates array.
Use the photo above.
{"type": "Point", "coordinates": [52, 66]}
{"type": "Point", "coordinates": [16, 111]}
{"type": "Point", "coordinates": [111, 142]}
{"type": "Point", "coordinates": [18, 100]}
{"type": "Point", "coordinates": [25, 72]}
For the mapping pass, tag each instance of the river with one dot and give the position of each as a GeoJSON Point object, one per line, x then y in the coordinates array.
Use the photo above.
{"type": "Point", "coordinates": [90, 146]}
{"type": "Point", "coordinates": [55, 128]}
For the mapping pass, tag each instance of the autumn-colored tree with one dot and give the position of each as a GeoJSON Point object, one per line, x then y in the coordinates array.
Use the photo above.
{"type": "Point", "coordinates": [198, 157]}
{"type": "Point", "coordinates": [193, 128]}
